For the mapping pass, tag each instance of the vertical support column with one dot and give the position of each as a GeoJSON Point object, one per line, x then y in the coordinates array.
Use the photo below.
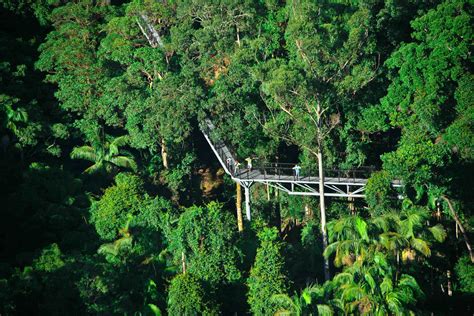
{"type": "Point", "coordinates": [247, 200]}
{"type": "Point", "coordinates": [238, 202]}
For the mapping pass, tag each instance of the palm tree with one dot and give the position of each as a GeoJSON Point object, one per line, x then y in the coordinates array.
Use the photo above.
{"type": "Point", "coordinates": [309, 302]}
{"type": "Point", "coordinates": [393, 233]}
{"type": "Point", "coordinates": [367, 284]}
{"type": "Point", "coordinates": [369, 289]}
{"type": "Point", "coordinates": [367, 250]}
{"type": "Point", "coordinates": [105, 155]}
{"type": "Point", "coordinates": [406, 232]}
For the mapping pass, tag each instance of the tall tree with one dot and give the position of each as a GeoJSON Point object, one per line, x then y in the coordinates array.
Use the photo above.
{"type": "Point", "coordinates": [187, 297]}
{"type": "Point", "coordinates": [429, 102]}
{"type": "Point", "coordinates": [203, 239]}
{"type": "Point", "coordinates": [69, 56]}
{"type": "Point", "coordinates": [310, 94]}
{"type": "Point", "coordinates": [267, 276]}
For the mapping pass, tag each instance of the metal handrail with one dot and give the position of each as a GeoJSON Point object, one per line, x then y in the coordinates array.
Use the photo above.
{"type": "Point", "coordinates": [279, 169]}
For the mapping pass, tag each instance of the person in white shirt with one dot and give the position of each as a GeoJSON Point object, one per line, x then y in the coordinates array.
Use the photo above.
{"type": "Point", "coordinates": [297, 169]}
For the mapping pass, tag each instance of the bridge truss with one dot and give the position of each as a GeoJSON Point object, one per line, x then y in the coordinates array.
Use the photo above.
{"type": "Point", "coordinates": [348, 183]}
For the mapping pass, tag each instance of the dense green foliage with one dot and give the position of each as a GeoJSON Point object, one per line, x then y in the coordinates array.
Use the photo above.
{"type": "Point", "coordinates": [267, 275]}
{"type": "Point", "coordinates": [187, 297]}
{"type": "Point", "coordinates": [113, 203]}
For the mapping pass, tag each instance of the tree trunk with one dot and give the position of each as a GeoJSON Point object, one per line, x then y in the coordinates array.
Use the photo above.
{"type": "Point", "coordinates": [164, 154]}
{"type": "Point", "coordinates": [322, 206]}
{"type": "Point", "coordinates": [351, 205]}
{"type": "Point", "coordinates": [449, 286]}
{"type": "Point", "coordinates": [268, 191]}
{"type": "Point", "coordinates": [461, 227]}
{"type": "Point", "coordinates": [183, 262]}
{"type": "Point", "coordinates": [238, 204]}
{"type": "Point", "coordinates": [308, 212]}
{"type": "Point", "coordinates": [238, 36]}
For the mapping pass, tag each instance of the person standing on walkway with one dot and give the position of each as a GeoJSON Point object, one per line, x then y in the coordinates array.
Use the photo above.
{"type": "Point", "coordinates": [229, 164]}
{"type": "Point", "coordinates": [249, 163]}
{"type": "Point", "coordinates": [297, 169]}
{"type": "Point", "coordinates": [237, 167]}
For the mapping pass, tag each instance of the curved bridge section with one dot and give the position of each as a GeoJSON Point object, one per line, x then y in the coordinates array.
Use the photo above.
{"type": "Point", "coordinates": [282, 176]}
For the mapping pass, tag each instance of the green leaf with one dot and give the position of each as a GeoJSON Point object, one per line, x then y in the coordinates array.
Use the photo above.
{"type": "Point", "coordinates": [84, 152]}
{"type": "Point", "coordinates": [343, 278]}
{"type": "Point", "coordinates": [324, 310]}
{"type": "Point", "coordinates": [155, 310]}
{"type": "Point", "coordinates": [306, 296]}
{"type": "Point", "coordinates": [124, 162]}
{"type": "Point", "coordinates": [361, 227]}
{"type": "Point", "coordinates": [439, 233]}
{"type": "Point", "coordinates": [386, 286]}
{"type": "Point", "coordinates": [422, 246]}
{"type": "Point", "coordinates": [370, 280]}
{"type": "Point", "coordinates": [394, 303]}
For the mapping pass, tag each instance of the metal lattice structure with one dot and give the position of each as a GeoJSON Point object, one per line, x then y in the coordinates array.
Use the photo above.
{"type": "Point", "coordinates": [349, 183]}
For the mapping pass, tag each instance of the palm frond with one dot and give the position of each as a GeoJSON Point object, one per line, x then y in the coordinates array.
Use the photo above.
{"type": "Point", "coordinates": [343, 278]}
{"type": "Point", "coordinates": [330, 249]}
{"type": "Point", "coordinates": [154, 309]}
{"type": "Point", "coordinates": [112, 151]}
{"type": "Point", "coordinates": [386, 286]}
{"type": "Point", "coordinates": [352, 292]}
{"type": "Point", "coordinates": [422, 246]}
{"type": "Point", "coordinates": [394, 303]}
{"type": "Point", "coordinates": [84, 152]}
{"type": "Point", "coordinates": [324, 310]}
{"type": "Point", "coordinates": [381, 222]}
{"type": "Point", "coordinates": [94, 168]}
{"type": "Point", "coordinates": [124, 162]}
{"type": "Point", "coordinates": [313, 291]}
{"type": "Point", "coordinates": [380, 259]}
{"type": "Point", "coordinates": [409, 281]}
{"type": "Point", "coordinates": [120, 141]}
{"type": "Point", "coordinates": [387, 221]}
{"type": "Point", "coordinates": [284, 302]}
{"type": "Point", "coordinates": [108, 249]}
{"type": "Point", "coordinates": [370, 280]}
{"type": "Point", "coordinates": [123, 242]}
{"type": "Point", "coordinates": [438, 232]}
{"type": "Point", "coordinates": [361, 227]}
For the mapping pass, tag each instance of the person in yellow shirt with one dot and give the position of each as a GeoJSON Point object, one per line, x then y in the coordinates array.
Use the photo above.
{"type": "Point", "coordinates": [249, 163]}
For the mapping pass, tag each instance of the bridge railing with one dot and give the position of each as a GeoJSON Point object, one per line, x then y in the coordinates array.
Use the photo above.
{"type": "Point", "coordinates": [286, 171]}
{"type": "Point", "coordinates": [219, 146]}
{"type": "Point", "coordinates": [281, 171]}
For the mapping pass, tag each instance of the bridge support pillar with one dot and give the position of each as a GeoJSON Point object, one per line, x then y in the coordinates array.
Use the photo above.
{"type": "Point", "coordinates": [247, 185]}
{"type": "Point", "coordinates": [247, 201]}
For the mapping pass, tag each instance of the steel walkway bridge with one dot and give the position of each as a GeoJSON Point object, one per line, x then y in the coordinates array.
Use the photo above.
{"type": "Point", "coordinates": [348, 183]}
{"type": "Point", "coordinates": [337, 183]}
